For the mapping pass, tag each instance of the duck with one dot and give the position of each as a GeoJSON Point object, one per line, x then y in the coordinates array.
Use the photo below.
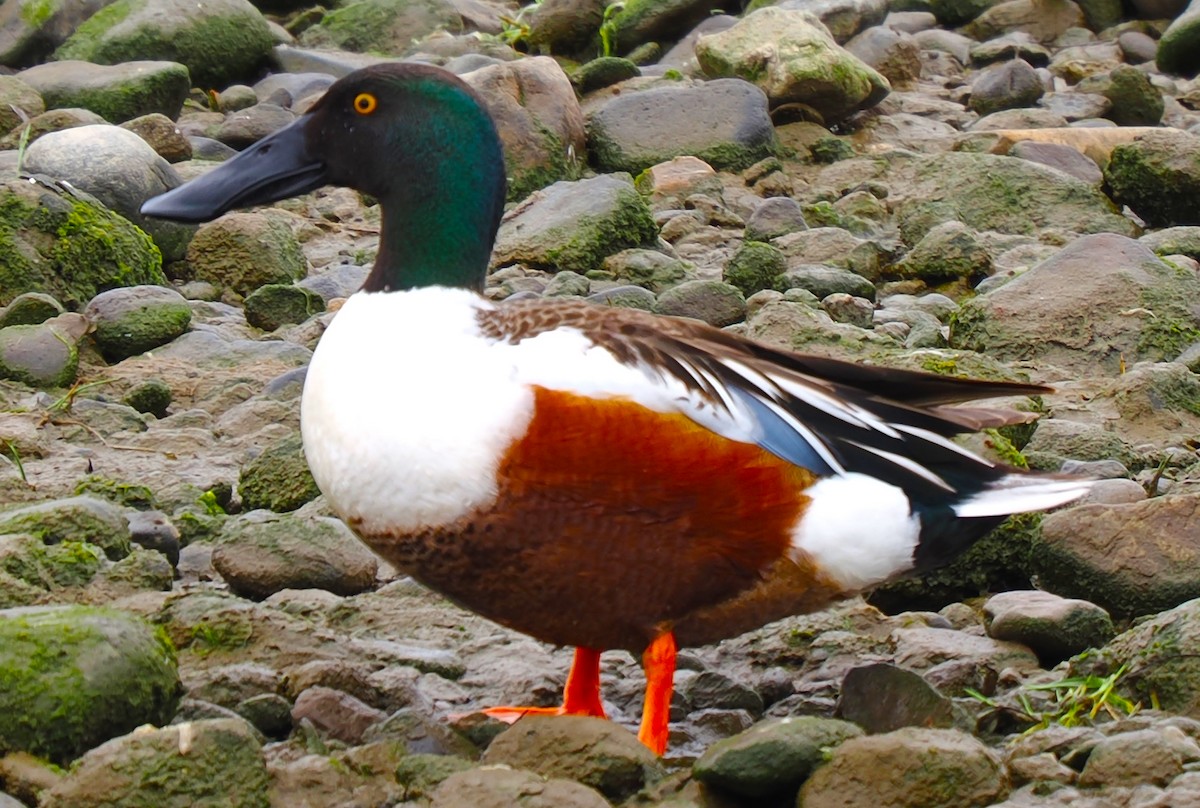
{"type": "Point", "coordinates": [595, 477]}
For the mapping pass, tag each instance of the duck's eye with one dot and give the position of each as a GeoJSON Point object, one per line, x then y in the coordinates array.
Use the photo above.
{"type": "Point", "coordinates": [365, 103]}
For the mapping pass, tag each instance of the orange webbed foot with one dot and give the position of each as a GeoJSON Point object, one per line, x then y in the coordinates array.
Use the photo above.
{"type": "Point", "coordinates": [580, 697]}
{"type": "Point", "coordinates": [659, 662]}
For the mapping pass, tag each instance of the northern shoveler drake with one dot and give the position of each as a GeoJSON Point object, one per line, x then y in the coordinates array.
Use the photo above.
{"type": "Point", "coordinates": [594, 477]}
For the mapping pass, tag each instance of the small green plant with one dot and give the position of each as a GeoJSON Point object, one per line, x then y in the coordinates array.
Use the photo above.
{"type": "Point", "coordinates": [67, 400]}
{"type": "Point", "coordinates": [1074, 701]}
{"type": "Point", "coordinates": [11, 450]}
{"type": "Point", "coordinates": [208, 500]}
{"type": "Point", "coordinates": [608, 27]}
{"type": "Point", "coordinates": [514, 30]}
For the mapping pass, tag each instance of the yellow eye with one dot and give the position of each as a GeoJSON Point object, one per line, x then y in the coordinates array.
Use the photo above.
{"type": "Point", "coordinates": [365, 103]}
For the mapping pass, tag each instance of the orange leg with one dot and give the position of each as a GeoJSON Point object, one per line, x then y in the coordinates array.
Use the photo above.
{"type": "Point", "coordinates": [581, 696]}
{"type": "Point", "coordinates": [659, 661]}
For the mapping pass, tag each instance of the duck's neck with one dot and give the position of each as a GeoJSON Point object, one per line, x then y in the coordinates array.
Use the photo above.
{"type": "Point", "coordinates": [440, 219]}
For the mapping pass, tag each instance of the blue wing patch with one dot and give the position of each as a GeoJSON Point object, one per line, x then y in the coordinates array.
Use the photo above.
{"type": "Point", "coordinates": [780, 438]}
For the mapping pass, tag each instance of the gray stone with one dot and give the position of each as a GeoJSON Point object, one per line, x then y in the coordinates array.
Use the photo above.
{"type": "Point", "coordinates": [1043, 20]}
{"type": "Point", "coordinates": [250, 125]}
{"type": "Point", "coordinates": [802, 65]}
{"type": "Point", "coordinates": [576, 225]}
{"type": "Point", "coordinates": [1065, 158]}
{"type": "Point", "coordinates": [1076, 106]}
{"type": "Point", "coordinates": [592, 751]}
{"type": "Point", "coordinates": [823, 281]}
{"type": "Point", "coordinates": [17, 95]}
{"type": "Point", "coordinates": [220, 42]}
{"type": "Point", "coordinates": [895, 54]}
{"type": "Point", "coordinates": [35, 29]}
{"type": "Point", "coordinates": [714, 302]}
{"type": "Point", "coordinates": [632, 297]}
{"type": "Point", "coordinates": [118, 168]}
{"type": "Point", "coordinates": [116, 92]}
{"type": "Point", "coordinates": [1129, 559]}
{"type": "Point", "coordinates": [1007, 85]}
{"type": "Point", "coordinates": [130, 321]}
{"type": "Point", "coordinates": [1137, 47]}
{"type": "Point", "coordinates": [908, 767]}
{"type": "Point", "coordinates": [723, 122]}
{"type": "Point", "coordinates": [1054, 627]}
{"type": "Point", "coordinates": [163, 136]}
{"type": "Point", "coordinates": [262, 553]}
{"type": "Point", "coordinates": [773, 757]}
{"type": "Point", "coordinates": [1142, 756]}
{"type": "Point", "coordinates": [774, 217]}
{"type": "Point", "coordinates": [76, 676]}
{"type": "Point", "coordinates": [200, 763]}
{"type": "Point", "coordinates": [504, 788]}
{"type": "Point", "coordinates": [844, 308]}
{"type": "Point", "coordinates": [336, 714]}
{"type": "Point", "coordinates": [843, 18]}
{"type": "Point", "coordinates": [882, 698]}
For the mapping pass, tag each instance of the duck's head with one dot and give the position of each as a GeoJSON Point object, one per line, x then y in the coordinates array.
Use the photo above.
{"type": "Point", "coordinates": [414, 136]}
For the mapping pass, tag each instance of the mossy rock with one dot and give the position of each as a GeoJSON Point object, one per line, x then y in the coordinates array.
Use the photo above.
{"type": "Point", "coordinates": [420, 774]}
{"type": "Point", "coordinates": [67, 244]}
{"type": "Point", "coordinates": [211, 762]}
{"type": "Point", "coordinates": [151, 396]}
{"type": "Point", "coordinates": [243, 251]}
{"type": "Point", "coordinates": [602, 72]}
{"type": "Point", "coordinates": [381, 26]}
{"type": "Point", "coordinates": [275, 304]}
{"type": "Point", "coordinates": [131, 321]}
{"type": "Point", "coordinates": [220, 41]}
{"type": "Point", "coordinates": [78, 519]}
{"type": "Point", "coordinates": [30, 308]}
{"type": "Point", "coordinates": [49, 567]}
{"type": "Point", "coordinates": [74, 676]}
{"type": "Point", "coordinates": [754, 267]}
{"type": "Point", "coordinates": [130, 495]}
{"type": "Point", "coordinates": [1003, 559]}
{"type": "Point", "coordinates": [278, 479]}
{"type": "Point", "coordinates": [1158, 176]}
{"type": "Point", "coordinates": [38, 355]}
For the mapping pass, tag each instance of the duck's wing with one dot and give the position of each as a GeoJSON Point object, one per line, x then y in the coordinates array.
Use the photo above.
{"type": "Point", "coordinates": [828, 416]}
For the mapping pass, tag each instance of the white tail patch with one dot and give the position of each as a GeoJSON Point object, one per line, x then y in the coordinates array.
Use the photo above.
{"type": "Point", "coordinates": [1019, 493]}
{"type": "Point", "coordinates": [859, 529]}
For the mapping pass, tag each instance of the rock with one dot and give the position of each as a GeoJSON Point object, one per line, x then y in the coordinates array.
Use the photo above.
{"type": "Point", "coordinates": [575, 225]}
{"type": "Point", "coordinates": [278, 479]}
{"type": "Point", "coordinates": [722, 122]}
{"type": "Point", "coordinates": [591, 751]}
{"type": "Point", "coordinates": [136, 319]}
{"type": "Point", "coordinates": [250, 125]}
{"type": "Point", "coordinates": [1054, 627]}
{"type": "Point", "coordinates": [1135, 100]}
{"type": "Point", "coordinates": [76, 519]}
{"type": "Point", "coordinates": [118, 168]}
{"type": "Point", "coordinates": [641, 22]}
{"type": "Point", "coordinates": [632, 297]}
{"type": "Point", "coordinates": [1044, 20]}
{"type": "Point", "coordinates": [952, 661]}
{"type": "Point", "coordinates": [950, 251]}
{"type": "Point", "coordinates": [977, 189]}
{"type": "Point", "coordinates": [603, 72]}
{"type": "Point", "coordinates": [243, 251]}
{"type": "Point", "coordinates": [844, 308]}
{"type": "Point", "coordinates": [713, 302]}
{"type": "Point", "coordinates": [1070, 310]}
{"type": "Point", "coordinates": [566, 26]}
{"type": "Point", "coordinates": [1065, 158]}
{"type": "Point", "coordinates": [893, 53]}
{"type": "Point", "coordinates": [882, 698]}
{"type": "Point", "coordinates": [35, 30]}
{"type": "Point", "coordinates": [163, 136]}
{"type": "Point", "coordinates": [823, 281]}
{"type": "Point", "coordinates": [66, 244]}
{"type": "Point", "coordinates": [1177, 51]}
{"type": "Point", "coordinates": [755, 266]}
{"type": "Point", "coordinates": [793, 59]}
{"type": "Point", "coordinates": [1055, 441]}
{"type": "Point", "coordinates": [1006, 86]}
{"type": "Point", "coordinates": [843, 18]}
{"type": "Point", "coordinates": [1132, 560]}
{"type": "Point", "coordinates": [1162, 660]}
{"type": "Point", "coordinates": [42, 355]}
{"type": "Point", "coordinates": [116, 93]}
{"type": "Point", "coordinates": [1142, 756]}
{"type": "Point", "coordinates": [649, 269]}
{"type": "Point", "coordinates": [275, 304]}
{"type": "Point", "coordinates": [153, 530]}
{"type": "Point", "coordinates": [335, 714]}
{"type": "Point", "coordinates": [908, 767]}
{"type": "Point", "coordinates": [567, 284]}
{"type": "Point", "coordinates": [380, 26]}
{"type": "Point", "coordinates": [30, 308]}
{"type": "Point", "coordinates": [505, 788]}
{"type": "Point", "coordinates": [775, 217]}
{"type": "Point", "coordinates": [773, 757]}
{"type": "Point", "coordinates": [1137, 47]}
{"type": "Point", "coordinates": [220, 42]}
{"type": "Point", "coordinates": [538, 118]}
{"type": "Point", "coordinates": [151, 396]}
{"type": "Point", "coordinates": [196, 763]}
{"type": "Point", "coordinates": [1157, 175]}
{"type": "Point", "coordinates": [48, 567]}
{"type": "Point", "coordinates": [76, 676]}
{"type": "Point", "coordinates": [957, 12]}
{"type": "Point", "coordinates": [262, 553]}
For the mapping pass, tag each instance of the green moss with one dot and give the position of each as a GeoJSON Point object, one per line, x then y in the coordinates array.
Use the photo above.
{"type": "Point", "coordinates": [1173, 326]}
{"type": "Point", "coordinates": [1003, 559]}
{"type": "Point", "coordinates": [754, 267]}
{"type": "Point", "coordinates": [47, 567]}
{"type": "Point", "coordinates": [131, 495]}
{"type": "Point", "coordinates": [36, 13]}
{"type": "Point", "coordinates": [279, 478]}
{"type": "Point", "coordinates": [591, 241]}
{"type": "Point", "coordinates": [1005, 449]}
{"type": "Point", "coordinates": [72, 677]}
{"type": "Point", "coordinates": [219, 635]}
